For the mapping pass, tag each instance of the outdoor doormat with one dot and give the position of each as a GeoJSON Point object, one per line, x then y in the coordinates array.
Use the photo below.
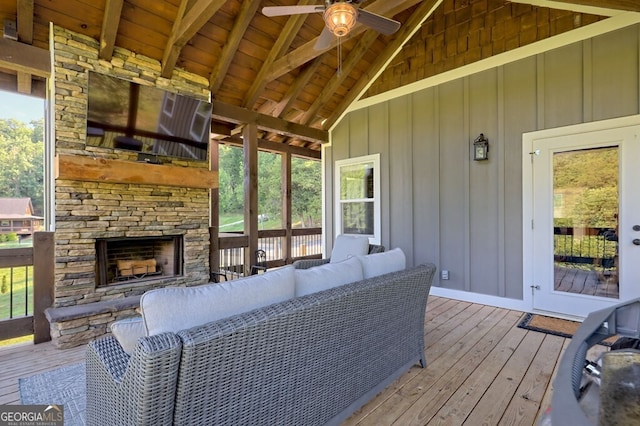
{"type": "Point", "coordinates": [556, 326]}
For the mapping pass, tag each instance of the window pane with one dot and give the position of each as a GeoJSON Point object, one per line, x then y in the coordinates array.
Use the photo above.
{"type": "Point", "coordinates": [306, 193]}
{"type": "Point", "coordinates": [356, 181]}
{"type": "Point", "coordinates": [357, 218]}
{"type": "Point", "coordinates": [231, 191]}
{"type": "Point", "coordinates": [269, 190]}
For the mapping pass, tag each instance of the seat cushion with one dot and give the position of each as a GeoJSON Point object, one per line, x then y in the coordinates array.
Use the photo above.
{"type": "Point", "coordinates": [178, 308]}
{"type": "Point", "coordinates": [347, 246]}
{"type": "Point", "coordinates": [127, 331]}
{"type": "Point", "coordinates": [327, 276]}
{"type": "Point", "coordinates": [383, 263]}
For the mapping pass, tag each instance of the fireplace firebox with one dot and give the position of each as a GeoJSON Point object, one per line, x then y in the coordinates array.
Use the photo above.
{"type": "Point", "coordinates": [121, 260]}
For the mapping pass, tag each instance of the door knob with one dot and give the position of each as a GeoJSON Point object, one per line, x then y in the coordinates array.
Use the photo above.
{"type": "Point", "coordinates": [636, 241]}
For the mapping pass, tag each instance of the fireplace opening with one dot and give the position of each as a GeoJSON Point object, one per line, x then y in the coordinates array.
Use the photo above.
{"type": "Point", "coordinates": [122, 260]}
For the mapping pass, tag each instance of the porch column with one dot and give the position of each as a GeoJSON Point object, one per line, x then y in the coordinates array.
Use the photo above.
{"type": "Point", "coordinates": [286, 205]}
{"type": "Point", "coordinates": [250, 150]}
{"type": "Point", "coordinates": [214, 211]}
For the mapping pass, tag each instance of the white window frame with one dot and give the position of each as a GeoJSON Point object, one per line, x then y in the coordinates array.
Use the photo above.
{"type": "Point", "coordinates": [374, 161]}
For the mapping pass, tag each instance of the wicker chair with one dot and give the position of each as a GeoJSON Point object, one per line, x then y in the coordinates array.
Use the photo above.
{"type": "Point", "coordinates": [308, 263]}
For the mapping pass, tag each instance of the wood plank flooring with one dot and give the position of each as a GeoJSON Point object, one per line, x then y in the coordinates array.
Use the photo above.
{"type": "Point", "coordinates": [481, 369]}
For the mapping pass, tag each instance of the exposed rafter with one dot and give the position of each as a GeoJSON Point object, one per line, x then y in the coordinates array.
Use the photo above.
{"type": "Point", "coordinates": [628, 5]}
{"type": "Point", "coordinates": [247, 11]}
{"type": "Point", "coordinates": [109, 31]}
{"type": "Point", "coordinates": [405, 32]}
{"type": "Point", "coordinates": [307, 52]}
{"type": "Point", "coordinates": [338, 78]}
{"type": "Point", "coordinates": [287, 35]}
{"type": "Point", "coordinates": [25, 21]}
{"type": "Point", "coordinates": [25, 35]}
{"type": "Point", "coordinates": [185, 27]}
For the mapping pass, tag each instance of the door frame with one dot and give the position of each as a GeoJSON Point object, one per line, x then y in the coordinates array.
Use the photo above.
{"type": "Point", "coordinates": [527, 192]}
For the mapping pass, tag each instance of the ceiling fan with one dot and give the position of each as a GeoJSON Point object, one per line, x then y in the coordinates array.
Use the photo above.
{"type": "Point", "coordinates": [339, 17]}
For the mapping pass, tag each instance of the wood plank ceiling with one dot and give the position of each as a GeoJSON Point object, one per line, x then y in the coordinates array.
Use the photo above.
{"type": "Point", "coordinates": [255, 64]}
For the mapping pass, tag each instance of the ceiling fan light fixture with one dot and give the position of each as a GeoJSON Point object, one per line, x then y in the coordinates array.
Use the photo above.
{"type": "Point", "coordinates": [340, 18]}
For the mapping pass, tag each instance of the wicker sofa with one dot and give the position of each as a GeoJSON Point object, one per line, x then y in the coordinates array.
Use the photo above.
{"type": "Point", "coordinates": [310, 360]}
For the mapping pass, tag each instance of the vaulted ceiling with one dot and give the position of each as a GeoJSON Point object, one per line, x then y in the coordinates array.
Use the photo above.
{"type": "Point", "coordinates": [254, 63]}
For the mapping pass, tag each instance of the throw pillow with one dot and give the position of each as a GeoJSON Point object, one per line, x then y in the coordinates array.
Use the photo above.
{"type": "Point", "coordinates": [178, 308]}
{"type": "Point", "coordinates": [127, 331]}
{"type": "Point", "coordinates": [347, 246]}
{"type": "Point", "coordinates": [327, 276]}
{"type": "Point", "coordinates": [383, 263]}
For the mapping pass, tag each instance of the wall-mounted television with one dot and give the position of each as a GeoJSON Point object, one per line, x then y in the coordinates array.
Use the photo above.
{"type": "Point", "coordinates": [154, 122]}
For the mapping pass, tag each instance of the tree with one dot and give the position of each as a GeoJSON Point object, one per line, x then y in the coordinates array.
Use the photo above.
{"type": "Point", "coordinates": [22, 161]}
{"type": "Point", "coordinates": [306, 192]}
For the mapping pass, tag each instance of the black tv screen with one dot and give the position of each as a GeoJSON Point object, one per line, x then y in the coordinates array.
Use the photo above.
{"type": "Point", "coordinates": [126, 115]}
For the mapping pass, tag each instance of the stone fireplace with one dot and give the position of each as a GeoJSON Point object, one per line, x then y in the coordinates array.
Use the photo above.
{"type": "Point", "coordinates": [122, 226]}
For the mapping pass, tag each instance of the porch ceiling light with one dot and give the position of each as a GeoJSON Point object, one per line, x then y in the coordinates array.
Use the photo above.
{"type": "Point", "coordinates": [340, 18]}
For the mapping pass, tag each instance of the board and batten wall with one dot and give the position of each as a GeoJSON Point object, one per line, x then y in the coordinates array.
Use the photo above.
{"type": "Point", "coordinates": [439, 205]}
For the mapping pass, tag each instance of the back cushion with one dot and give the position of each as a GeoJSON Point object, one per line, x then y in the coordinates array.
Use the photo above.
{"type": "Point", "coordinates": [383, 263]}
{"type": "Point", "coordinates": [327, 276]}
{"type": "Point", "coordinates": [347, 246]}
{"type": "Point", "coordinates": [178, 308]}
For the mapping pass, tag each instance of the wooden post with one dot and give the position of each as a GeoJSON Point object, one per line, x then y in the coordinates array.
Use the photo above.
{"type": "Point", "coordinates": [286, 205]}
{"type": "Point", "coordinates": [250, 148]}
{"type": "Point", "coordinates": [214, 211]}
{"type": "Point", "coordinates": [43, 283]}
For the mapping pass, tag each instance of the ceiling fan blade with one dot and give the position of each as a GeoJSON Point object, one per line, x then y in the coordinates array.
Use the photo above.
{"type": "Point", "coordinates": [324, 40]}
{"type": "Point", "coordinates": [379, 23]}
{"type": "Point", "coordinates": [290, 10]}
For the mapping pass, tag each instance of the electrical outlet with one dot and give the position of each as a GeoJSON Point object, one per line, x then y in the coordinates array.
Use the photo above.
{"type": "Point", "coordinates": [445, 274]}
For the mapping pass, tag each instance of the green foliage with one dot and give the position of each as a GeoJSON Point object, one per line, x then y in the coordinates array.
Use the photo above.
{"type": "Point", "coordinates": [20, 298]}
{"type": "Point", "coordinates": [587, 184]}
{"type": "Point", "coordinates": [12, 237]}
{"type": "Point", "coordinates": [305, 190]}
{"type": "Point", "coordinates": [21, 161]}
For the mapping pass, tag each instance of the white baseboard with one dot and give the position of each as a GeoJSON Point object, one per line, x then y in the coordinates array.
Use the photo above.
{"type": "Point", "coordinates": [483, 299]}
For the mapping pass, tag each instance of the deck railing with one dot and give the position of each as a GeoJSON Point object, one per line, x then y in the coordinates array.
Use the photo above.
{"type": "Point", "coordinates": [306, 243]}
{"type": "Point", "coordinates": [585, 245]}
{"type": "Point", "coordinates": [22, 303]}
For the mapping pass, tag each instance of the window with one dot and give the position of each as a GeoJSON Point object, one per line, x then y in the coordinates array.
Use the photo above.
{"type": "Point", "coordinates": [358, 192]}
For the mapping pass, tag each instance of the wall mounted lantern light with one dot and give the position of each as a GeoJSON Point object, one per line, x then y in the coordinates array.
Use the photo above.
{"type": "Point", "coordinates": [481, 148]}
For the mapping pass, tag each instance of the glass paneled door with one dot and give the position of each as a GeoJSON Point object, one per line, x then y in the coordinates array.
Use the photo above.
{"type": "Point", "coordinates": [586, 249]}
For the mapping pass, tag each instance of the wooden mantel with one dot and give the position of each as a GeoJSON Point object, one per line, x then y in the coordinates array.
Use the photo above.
{"type": "Point", "coordinates": [95, 169]}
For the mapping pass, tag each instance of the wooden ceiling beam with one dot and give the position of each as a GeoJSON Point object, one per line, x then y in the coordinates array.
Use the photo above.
{"type": "Point", "coordinates": [25, 58]}
{"type": "Point", "coordinates": [287, 35]}
{"type": "Point", "coordinates": [266, 145]}
{"type": "Point", "coordinates": [306, 52]}
{"type": "Point", "coordinates": [628, 5]}
{"type": "Point", "coordinates": [25, 21]}
{"type": "Point", "coordinates": [407, 30]}
{"type": "Point", "coordinates": [239, 115]}
{"type": "Point", "coordinates": [243, 20]}
{"type": "Point", "coordinates": [109, 30]}
{"type": "Point", "coordinates": [296, 88]}
{"type": "Point", "coordinates": [24, 83]}
{"type": "Point", "coordinates": [356, 54]}
{"type": "Point", "coordinates": [186, 25]}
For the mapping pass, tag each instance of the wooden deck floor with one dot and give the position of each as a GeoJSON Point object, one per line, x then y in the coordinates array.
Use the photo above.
{"type": "Point", "coordinates": [482, 369]}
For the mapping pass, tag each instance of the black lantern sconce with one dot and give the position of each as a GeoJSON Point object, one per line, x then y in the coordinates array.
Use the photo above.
{"type": "Point", "coordinates": [481, 148]}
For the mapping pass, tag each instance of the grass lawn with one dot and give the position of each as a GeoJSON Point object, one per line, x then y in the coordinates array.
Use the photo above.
{"type": "Point", "coordinates": [17, 296]}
